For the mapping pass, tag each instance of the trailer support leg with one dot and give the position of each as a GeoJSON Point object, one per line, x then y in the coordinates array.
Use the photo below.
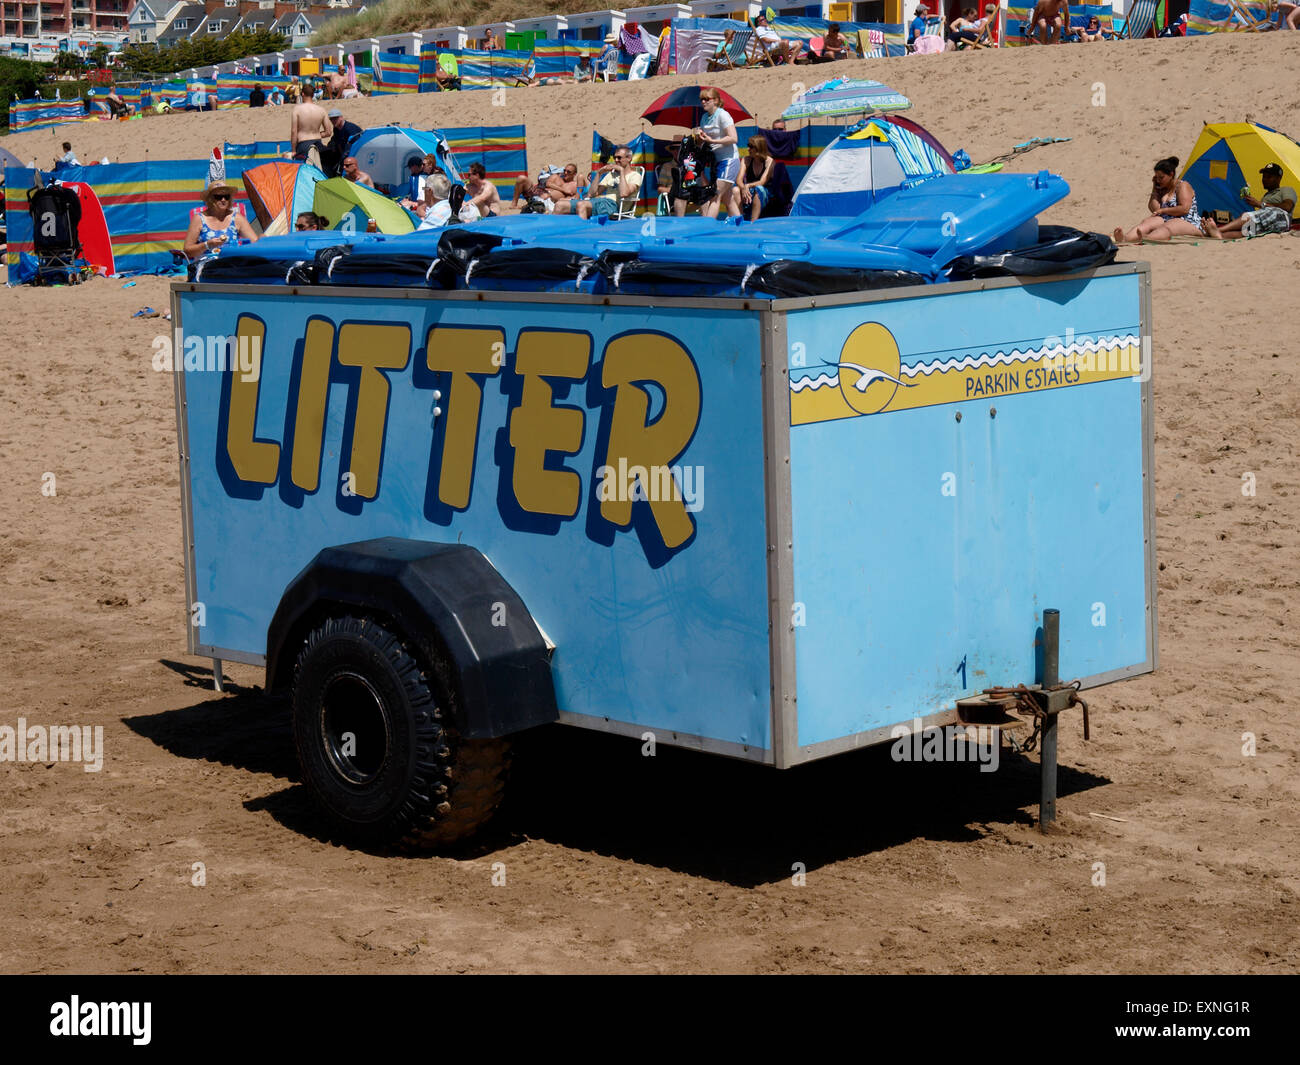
{"type": "Point", "coordinates": [1047, 741]}
{"type": "Point", "coordinates": [218, 681]}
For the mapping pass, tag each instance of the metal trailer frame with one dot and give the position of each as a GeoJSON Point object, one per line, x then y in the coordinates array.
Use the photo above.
{"type": "Point", "coordinates": [785, 751]}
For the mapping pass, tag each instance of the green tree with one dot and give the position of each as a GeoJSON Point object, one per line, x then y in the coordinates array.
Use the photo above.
{"type": "Point", "coordinates": [99, 55]}
{"type": "Point", "coordinates": [68, 63]}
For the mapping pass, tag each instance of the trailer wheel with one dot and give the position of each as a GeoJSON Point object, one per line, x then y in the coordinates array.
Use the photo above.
{"type": "Point", "coordinates": [375, 746]}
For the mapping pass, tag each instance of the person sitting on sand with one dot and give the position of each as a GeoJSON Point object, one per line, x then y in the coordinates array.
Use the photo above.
{"type": "Point", "coordinates": [610, 185]}
{"type": "Point", "coordinates": [218, 224]}
{"type": "Point", "coordinates": [984, 27]}
{"type": "Point", "coordinates": [554, 190]}
{"type": "Point", "coordinates": [770, 41]}
{"type": "Point", "coordinates": [1049, 19]}
{"type": "Point", "coordinates": [1094, 31]}
{"type": "Point", "coordinates": [1172, 205]}
{"type": "Point", "coordinates": [117, 107]}
{"type": "Point", "coordinates": [721, 58]}
{"type": "Point", "coordinates": [1290, 10]}
{"type": "Point", "coordinates": [335, 82]}
{"type": "Point", "coordinates": [1272, 212]}
{"type": "Point", "coordinates": [481, 192]}
{"type": "Point", "coordinates": [355, 174]}
{"type": "Point", "coordinates": [961, 31]}
{"type": "Point", "coordinates": [834, 46]}
{"type": "Point", "coordinates": [583, 71]}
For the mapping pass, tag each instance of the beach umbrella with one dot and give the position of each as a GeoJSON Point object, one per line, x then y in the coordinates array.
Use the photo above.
{"type": "Point", "coordinates": [382, 153]}
{"type": "Point", "coordinates": [682, 107]}
{"type": "Point", "coordinates": [350, 206]}
{"type": "Point", "coordinates": [845, 96]}
{"type": "Point", "coordinates": [280, 191]}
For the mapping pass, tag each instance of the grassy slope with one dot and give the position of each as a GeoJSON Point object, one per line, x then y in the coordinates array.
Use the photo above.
{"type": "Point", "coordinates": [402, 16]}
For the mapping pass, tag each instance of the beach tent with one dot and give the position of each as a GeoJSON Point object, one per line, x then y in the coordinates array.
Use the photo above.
{"type": "Point", "coordinates": [382, 153]}
{"type": "Point", "coordinates": [349, 207]}
{"type": "Point", "coordinates": [863, 164]}
{"type": "Point", "coordinates": [8, 159]}
{"type": "Point", "coordinates": [278, 192]}
{"type": "Point", "coordinates": [1228, 156]}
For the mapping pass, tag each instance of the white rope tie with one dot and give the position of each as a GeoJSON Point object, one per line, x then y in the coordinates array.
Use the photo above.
{"type": "Point", "coordinates": [618, 273]}
{"type": "Point", "coordinates": [469, 270]}
{"type": "Point", "coordinates": [749, 270]}
{"type": "Point", "coordinates": [289, 272]}
{"type": "Point", "coordinates": [429, 272]}
{"type": "Point", "coordinates": [582, 273]}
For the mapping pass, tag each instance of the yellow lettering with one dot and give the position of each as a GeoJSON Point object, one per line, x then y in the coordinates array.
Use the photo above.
{"type": "Point", "coordinates": [537, 427]}
{"type": "Point", "coordinates": [254, 461]}
{"type": "Point", "coordinates": [650, 357]}
{"type": "Point", "coordinates": [462, 353]}
{"type": "Point", "coordinates": [313, 391]}
{"type": "Point", "coordinates": [373, 349]}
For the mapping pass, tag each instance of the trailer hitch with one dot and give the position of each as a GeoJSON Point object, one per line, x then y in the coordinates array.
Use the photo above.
{"type": "Point", "coordinates": [1041, 704]}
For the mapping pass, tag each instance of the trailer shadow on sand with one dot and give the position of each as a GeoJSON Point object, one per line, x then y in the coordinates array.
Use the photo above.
{"type": "Point", "coordinates": [716, 818]}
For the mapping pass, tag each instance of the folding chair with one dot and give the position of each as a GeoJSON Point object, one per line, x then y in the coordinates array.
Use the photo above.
{"type": "Point", "coordinates": [1251, 18]}
{"type": "Point", "coordinates": [755, 54]}
{"type": "Point", "coordinates": [871, 43]}
{"type": "Point", "coordinates": [737, 55]}
{"type": "Point", "coordinates": [627, 207]}
{"type": "Point", "coordinates": [1141, 19]}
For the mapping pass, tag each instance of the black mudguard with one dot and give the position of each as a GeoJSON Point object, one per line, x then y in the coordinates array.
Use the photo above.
{"type": "Point", "coordinates": [457, 612]}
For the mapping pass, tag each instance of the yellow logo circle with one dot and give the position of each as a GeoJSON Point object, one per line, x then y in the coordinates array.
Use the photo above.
{"type": "Point", "coordinates": [869, 368]}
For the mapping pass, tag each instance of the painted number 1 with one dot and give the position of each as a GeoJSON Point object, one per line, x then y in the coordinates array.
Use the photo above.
{"type": "Point", "coordinates": [961, 668]}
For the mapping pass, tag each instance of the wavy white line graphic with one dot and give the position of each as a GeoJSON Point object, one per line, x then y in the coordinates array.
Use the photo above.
{"type": "Point", "coordinates": [1091, 346]}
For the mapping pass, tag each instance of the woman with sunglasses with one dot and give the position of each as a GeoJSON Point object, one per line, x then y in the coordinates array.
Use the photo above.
{"type": "Point", "coordinates": [217, 224]}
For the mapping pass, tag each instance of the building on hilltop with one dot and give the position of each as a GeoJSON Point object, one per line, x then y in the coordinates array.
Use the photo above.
{"type": "Point", "coordinates": [100, 20]}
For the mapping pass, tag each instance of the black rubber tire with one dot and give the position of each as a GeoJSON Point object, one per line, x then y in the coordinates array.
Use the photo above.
{"type": "Point", "coordinates": [409, 780]}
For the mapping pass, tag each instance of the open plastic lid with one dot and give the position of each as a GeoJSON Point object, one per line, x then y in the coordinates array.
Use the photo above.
{"type": "Point", "coordinates": [955, 214]}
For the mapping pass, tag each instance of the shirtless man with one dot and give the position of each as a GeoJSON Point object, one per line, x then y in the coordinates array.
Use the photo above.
{"type": "Point", "coordinates": [335, 83]}
{"type": "Point", "coordinates": [310, 127]}
{"type": "Point", "coordinates": [557, 187]}
{"type": "Point", "coordinates": [353, 172]}
{"type": "Point", "coordinates": [481, 192]}
{"type": "Point", "coordinates": [1048, 20]}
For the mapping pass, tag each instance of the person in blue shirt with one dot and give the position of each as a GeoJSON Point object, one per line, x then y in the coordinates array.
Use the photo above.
{"type": "Point", "coordinates": [916, 28]}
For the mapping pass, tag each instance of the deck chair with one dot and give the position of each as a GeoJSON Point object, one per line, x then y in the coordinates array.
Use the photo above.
{"type": "Point", "coordinates": [737, 56]}
{"type": "Point", "coordinates": [755, 54]}
{"type": "Point", "coordinates": [1141, 19]}
{"type": "Point", "coordinates": [56, 213]}
{"type": "Point", "coordinates": [1250, 18]}
{"type": "Point", "coordinates": [450, 64]}
{"type": "Point", "coordinates": [871, 44]}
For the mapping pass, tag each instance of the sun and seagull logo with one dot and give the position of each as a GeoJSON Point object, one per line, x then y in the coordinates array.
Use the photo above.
{"type": "Point", "coordinates": [870, 376]}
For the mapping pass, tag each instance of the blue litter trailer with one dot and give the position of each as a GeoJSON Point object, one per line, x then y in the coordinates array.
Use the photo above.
{"type": "Point", "coordinates": [774, 529]}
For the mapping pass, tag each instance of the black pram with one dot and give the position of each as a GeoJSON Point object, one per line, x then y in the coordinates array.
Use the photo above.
{"type": "Point", "coordinates": [56, 213]}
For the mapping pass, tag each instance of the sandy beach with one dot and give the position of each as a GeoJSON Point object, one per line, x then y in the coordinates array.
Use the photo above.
{"type": "Point", "coordinates": [931, 871]}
